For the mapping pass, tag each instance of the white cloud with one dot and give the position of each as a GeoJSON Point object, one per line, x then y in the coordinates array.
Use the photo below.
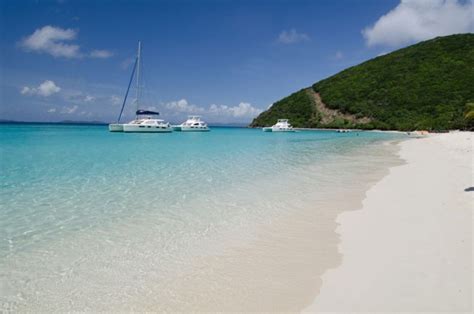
{"type": "Point", "coordinates": [79, 97]}
{"type": "Point", "coordinates": [415, 20]}
{"type": "Point", "coordinates": [50, 39]}
{"type": "Point", "coordinates": [48, 88]}
{"type": "Point", "coordinates": [70, 110]}
{"type": "Point", "coordinates": [242, 110]}
{"type": "Point", "coordinates": [52, 110]}
{"type": "Point", "coordinates": [89, 98]}
{"type": "Point", "coordinates": [182, 105]}
{"type": "Point", "coordinates": [45, 89]}
{"type": "Point", "coordinates": [56, 41]}
{"type": "Point", "coordinates": [101, 54]}
{"type": "Point", "coordinates": [25, 90]}
{"type": "Point", "coordinates": [292, 37]}
{"type": "Point", "coordinates": [180, 108]}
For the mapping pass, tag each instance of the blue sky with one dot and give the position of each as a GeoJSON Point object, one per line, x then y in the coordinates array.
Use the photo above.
{"type": "Point", "coordinates": [226, 60]}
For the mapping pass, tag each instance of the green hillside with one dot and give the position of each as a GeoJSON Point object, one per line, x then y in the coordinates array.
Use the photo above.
{"type": "Point", "coordinates": [424, 86]}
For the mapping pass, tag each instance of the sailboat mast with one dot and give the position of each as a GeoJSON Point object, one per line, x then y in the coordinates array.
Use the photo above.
{"type": "Point", "coordinates": [128, 89]}
{"type": "Point", "coordinates": [138, 71]}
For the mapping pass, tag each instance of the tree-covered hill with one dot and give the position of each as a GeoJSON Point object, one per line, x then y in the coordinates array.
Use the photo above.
{"type": "Point", "coordinates": [424, 86]}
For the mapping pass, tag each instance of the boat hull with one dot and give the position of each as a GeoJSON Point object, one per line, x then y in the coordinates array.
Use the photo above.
{"type": "Point", "coordinates": [271, 129]}
{"type": "Point", "coordinates": [115, 127]}
{"type": "Point", "coordinates": [189, 129]}
{"type": "Point", "coordinates": [280, 130]}
{"type": "Point", "coordinates": [137, 128]}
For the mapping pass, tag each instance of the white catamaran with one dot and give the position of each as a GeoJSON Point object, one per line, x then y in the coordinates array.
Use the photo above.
{"type": "Point", "coordinates": [144, 120]}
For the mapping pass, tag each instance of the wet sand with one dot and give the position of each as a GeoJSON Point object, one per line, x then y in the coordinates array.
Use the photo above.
{"type": "Point", "coordinates": [281, 269]}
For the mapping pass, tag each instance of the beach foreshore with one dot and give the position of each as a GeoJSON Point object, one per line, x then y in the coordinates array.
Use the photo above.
{"type": "Point", "coordinates": [409, 249]}
{"type": "Point", "coordinates": [403, 241]}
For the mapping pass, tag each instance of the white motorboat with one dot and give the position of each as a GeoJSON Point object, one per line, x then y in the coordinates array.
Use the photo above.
{"type": "Point", "coordinates": [144, 120]}
{"type": "Point", "coordinates": [282, 125]}
{"type": "Point", "coordinates": [145, 123]}
{"type": "Point", "coordinates": [192, 124]}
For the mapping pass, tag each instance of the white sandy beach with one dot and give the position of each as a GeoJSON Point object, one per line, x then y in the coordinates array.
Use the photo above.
{"type": "Point", "coordinates": [409, 249]}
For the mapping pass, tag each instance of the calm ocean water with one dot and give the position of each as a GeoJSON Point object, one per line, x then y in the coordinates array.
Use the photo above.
{"type": "Point", "coordinates": [90, 218]}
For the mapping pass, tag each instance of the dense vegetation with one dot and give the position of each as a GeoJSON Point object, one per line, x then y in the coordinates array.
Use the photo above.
{"type": "Point", "coordinates": [424, 86]}
{"type": "Point", "coordinates": [469, 115]}
{"type": "Point", "coordinates": [297, 107]}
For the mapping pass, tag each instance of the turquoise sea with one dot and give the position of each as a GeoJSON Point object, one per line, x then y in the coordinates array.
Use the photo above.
{"type": "Point", "coordinates": [92, 220]}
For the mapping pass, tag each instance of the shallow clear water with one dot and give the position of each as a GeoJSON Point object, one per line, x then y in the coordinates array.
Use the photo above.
{"type": "Point", "coordinates": [86, 212]}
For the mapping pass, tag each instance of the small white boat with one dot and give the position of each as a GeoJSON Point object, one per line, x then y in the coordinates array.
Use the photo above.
{"type": "Point", "coordinates": [193, 124]}
{"type": "Point", "coordinates": [343, 131]}
{"type": "Point", "coordinates": [147, 124]}
{"type": "Point", "coordinates": [282, 125]}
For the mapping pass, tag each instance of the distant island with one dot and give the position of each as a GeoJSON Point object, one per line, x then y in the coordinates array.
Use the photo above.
{"type": "Point", "coordinates": [424, 86]}
{"type": "Point", "coordinates": [3, 121]}
{"type": "Point", "coordinates": [212, 124]}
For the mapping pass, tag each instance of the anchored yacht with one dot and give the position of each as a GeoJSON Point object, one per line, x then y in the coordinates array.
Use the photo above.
{"type": "Point", "coordinates": [282, 125]}
{"type": "Point", "coordinates": [193, 124]}
{"type": "Point", "coordinates": [144, 120]}
{"type": "Point", "coordinates": [145, 123]}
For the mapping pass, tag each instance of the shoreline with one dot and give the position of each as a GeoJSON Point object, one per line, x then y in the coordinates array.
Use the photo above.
{"type": "Point", "coordinates": [232, 266]}
{"type": "Point", "coordinates": [283, 259]}
{"type": "Point", "coordinates": [409, 247]}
